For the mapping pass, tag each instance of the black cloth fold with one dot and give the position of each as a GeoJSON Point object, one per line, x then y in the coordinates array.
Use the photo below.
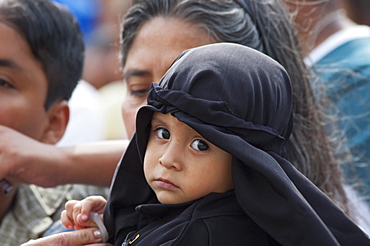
{"type": "Point", "coordinates": [241, 101]}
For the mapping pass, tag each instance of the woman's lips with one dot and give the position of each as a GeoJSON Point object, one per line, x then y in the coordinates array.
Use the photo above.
{"type": "Point", "coordinates": [165, 184]}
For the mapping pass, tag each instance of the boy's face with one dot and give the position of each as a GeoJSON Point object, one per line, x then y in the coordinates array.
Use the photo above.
{"type": "Point", "coordinates": [180, 165]}
{"type": "Point", "coordinates": [23, 86]}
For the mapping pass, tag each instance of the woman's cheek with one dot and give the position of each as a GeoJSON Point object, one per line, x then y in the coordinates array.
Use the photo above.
{"type": "Point", "coordinates": [129, 111]}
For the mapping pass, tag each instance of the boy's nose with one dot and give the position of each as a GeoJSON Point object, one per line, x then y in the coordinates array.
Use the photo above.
{"type": "Point", "coordinates": [171, 158]}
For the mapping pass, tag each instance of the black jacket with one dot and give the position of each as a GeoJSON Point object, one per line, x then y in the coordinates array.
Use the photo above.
{"type": "Point", "coordinates": [216, 219]}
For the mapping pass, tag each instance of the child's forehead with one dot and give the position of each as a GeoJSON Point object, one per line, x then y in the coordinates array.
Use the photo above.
{"type": "Point", "coordinates": [172, 122]}
{"type": "Point", "coordinates": [159, 117]}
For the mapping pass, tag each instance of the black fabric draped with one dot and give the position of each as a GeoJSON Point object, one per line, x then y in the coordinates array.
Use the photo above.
{"type": "Point", "coordinates": [241, 101]}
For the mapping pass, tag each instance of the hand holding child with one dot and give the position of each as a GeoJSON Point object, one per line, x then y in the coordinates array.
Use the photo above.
{"type": "Point", "coordinates": [90, 237]}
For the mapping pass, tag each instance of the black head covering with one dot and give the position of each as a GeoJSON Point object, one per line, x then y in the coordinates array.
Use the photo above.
{"type": "Point", "coordinates": [240, 100]}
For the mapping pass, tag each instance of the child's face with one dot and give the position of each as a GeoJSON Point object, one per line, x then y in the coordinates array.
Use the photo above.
{"type": "Point", "coordinates": [23, 85]}
{"type": "Point", "coordinates": [180, 165]}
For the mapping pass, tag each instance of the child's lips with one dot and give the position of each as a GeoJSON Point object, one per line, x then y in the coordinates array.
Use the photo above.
{"type": "Point", "coordinates": [165, 184]}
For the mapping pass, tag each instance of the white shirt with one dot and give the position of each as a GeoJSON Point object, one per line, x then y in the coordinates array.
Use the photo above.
{"type": "Point", "coordinates": [335, 41]}
{"type": "Point", "coordinates": [86, 122]}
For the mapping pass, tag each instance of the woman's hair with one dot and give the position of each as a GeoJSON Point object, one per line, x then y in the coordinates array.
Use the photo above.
{"type": "Point", "coordinates": [54, 38]}
{"type": "Point", "coordinates": [264, 25]}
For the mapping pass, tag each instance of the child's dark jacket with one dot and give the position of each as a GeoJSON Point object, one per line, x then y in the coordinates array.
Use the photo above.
{"type": "Point", "coordinates": [241, 101]}
{"type": "Point", "coordinates": [214, 220]}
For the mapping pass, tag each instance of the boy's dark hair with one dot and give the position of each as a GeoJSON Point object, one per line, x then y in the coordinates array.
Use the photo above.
{"type": "Point", "coordinates": [55, 39]}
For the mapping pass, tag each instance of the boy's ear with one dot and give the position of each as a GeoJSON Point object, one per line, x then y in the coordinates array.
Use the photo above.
{"type": "Point", "coordinates": [58, 117]}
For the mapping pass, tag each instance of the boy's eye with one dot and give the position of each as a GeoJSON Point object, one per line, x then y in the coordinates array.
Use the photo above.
{"type": "Point", "coordinates": [163, 133]}
{"type": "Point", "coordinates": [199, 145]}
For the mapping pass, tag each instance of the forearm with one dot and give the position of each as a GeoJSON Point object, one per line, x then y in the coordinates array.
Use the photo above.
{"type": "Point", "coordinates": [48, 166]}
{"type": "Point", "coordinates": [92, 163]}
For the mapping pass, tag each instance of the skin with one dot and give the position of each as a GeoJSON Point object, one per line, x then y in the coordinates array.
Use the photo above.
{"type": "Point", "coordinates": [90, 235]}
{"type": "Point", "coordinates": [151, 55]}
{"type": "Point", "coordinates": [23, 87]}
{"type": "Point", "coordinates": [49, 166]}
{"type": "Point", "coordinates": [176, 159]}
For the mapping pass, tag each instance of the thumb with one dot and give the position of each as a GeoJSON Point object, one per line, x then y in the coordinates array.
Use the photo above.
{"type": "Point", "coordinates": [73, 238]}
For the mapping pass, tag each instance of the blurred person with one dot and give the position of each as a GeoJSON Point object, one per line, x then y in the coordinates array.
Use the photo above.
{"type": "Point", "coordinates": [101, 59]}
{"type": "Point", "coordinates": [337, 50]}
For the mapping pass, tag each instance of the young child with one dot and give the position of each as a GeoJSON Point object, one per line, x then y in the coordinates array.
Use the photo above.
{"type": "Point", "coordinates": [206, 165]}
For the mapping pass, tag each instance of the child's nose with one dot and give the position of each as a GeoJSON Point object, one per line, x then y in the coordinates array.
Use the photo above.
{"type": "Point", "coordinates": [171, 157]}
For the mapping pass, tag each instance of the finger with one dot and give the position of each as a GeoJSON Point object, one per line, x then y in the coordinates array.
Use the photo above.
{"type": "Point", "coordinates": [82, 222]}
{"type": "Point", "coordinates": [70, 204]}
{"type": "Point", "coordinates": [66, 221]}
{"type": "Point", "coordinates": [75, 238]}
{"type": "Point", "coordinates": [69, 207]}
{"type": "Point", "coordinates": [93, 203]}
{"type": "Point", "coordinates": [76, 211]}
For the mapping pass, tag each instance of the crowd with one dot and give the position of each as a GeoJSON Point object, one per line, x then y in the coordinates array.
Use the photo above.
{"type": "Point", "coordinates": [242, 120]}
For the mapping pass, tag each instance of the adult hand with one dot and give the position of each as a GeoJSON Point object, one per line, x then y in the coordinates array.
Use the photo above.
{"type": "Point", "coordinates": [25, 160]}
{"type": "Point", "coordinates": [20, 158]}
{"type": "Point", "coordinates": [90, 236]}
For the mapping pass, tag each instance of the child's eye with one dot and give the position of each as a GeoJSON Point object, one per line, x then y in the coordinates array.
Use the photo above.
{"type": "Point", "coordinates": [163, 133]}
{"type": "Point", "coordinates": [199, 145]}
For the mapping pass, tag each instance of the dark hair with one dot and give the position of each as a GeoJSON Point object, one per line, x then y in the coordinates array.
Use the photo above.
{"type": "Point", "coordinates": [55, 39]}
{"type": "Point", "coordinates": [267, 27]}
